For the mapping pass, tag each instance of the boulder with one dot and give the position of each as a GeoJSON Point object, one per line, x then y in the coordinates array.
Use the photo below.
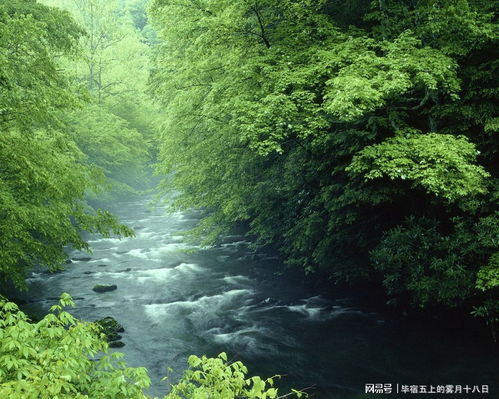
{"type": "Point", "coordinates": [110, 328]}
{"type": "Point", "coordinates": [113, 336]}
{"type": "Point", "coordinates": [110, 324]}
{"type": "Point", "coordinates": [105, 287]}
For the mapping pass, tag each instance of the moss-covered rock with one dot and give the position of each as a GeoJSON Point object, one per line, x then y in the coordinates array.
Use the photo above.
{"type": "Point", "coordinates": [105, 287]}
{"type": "Point", "coordinates": [110, 324]}
{"type": "Point", "coordinates": [110, 328]}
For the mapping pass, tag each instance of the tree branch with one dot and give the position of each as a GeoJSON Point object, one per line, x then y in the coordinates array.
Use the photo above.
{"type": "Point", "coordinates": [262, 28]}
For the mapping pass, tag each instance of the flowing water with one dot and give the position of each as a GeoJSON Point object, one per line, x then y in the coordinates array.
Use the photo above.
{"type": "Point", "coordinates": [175, 299]}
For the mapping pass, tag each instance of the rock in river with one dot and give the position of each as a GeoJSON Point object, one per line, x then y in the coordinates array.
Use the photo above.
{"type": "Point", "coordinates": [110, 328]}
{"type": "Point", "coordinates": [109, 324]}
{"type": "Point", "coordinates": [105, 287]}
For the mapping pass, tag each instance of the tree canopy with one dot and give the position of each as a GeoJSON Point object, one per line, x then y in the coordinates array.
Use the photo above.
{"type": "Point", "coordinates": [44, 178]}
{"type": "Point", "coordinates": [358, 137]}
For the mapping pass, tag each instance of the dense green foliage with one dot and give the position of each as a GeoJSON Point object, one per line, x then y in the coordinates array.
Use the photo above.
{"type": "Point", "coordinates": [32, 87]}
{"type": "Point", "coordinates": [62, 357]}
{"type": "Point", "coordinates": [360, 137]}
{"type": "Point", "coordinates": [43, 174]}
{"type": "Point", "coordinates": [116, 127]}
{"type": "Point", "coordinates": [55, 358]}
{"type": "Point", "coordinates": [75, 119]}
{"type": "Point", "coordinates": [217, 378]}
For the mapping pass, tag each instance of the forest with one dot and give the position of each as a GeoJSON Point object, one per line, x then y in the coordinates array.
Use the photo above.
{"type": "Point", "coordinates": [357, 138]}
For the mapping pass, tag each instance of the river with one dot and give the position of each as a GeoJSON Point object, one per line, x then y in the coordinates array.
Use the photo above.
{"type": "Point", "coordinates": [175, 299]}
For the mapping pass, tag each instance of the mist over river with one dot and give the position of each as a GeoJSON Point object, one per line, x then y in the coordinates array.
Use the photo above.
{"type": "Point", "coordinates": [175, 299]}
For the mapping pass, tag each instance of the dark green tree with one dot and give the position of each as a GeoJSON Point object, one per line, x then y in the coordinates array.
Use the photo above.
{"type": "Point", "coordinates": [358, 137]}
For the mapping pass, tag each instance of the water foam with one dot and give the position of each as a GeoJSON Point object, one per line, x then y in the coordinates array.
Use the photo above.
{"type": "Point", "coordinates": [169, 248]}
{"type": "Point", "coordinates": [235, 244]}
{"type": "Point", "coordinates": [138, 253]}
{"type": "Point", "coordinates": [103, 260]}
{"type": "Point", "coordinates": [309, 312]}
{"type": "Point", "coordinates": [237, 280]}
{"type": "Point", "coordinates": [312, 311]}
{"type": "Point", "coordinates": [204, 308]}
{"type": "Point", "coordinates": [161, 275]}
{"type": "Point", "coordinates": [146, 234]}
{"type": "Point", "coordinates": [188, 267]}
{"type": "Point", "coordinates": [167, 273]}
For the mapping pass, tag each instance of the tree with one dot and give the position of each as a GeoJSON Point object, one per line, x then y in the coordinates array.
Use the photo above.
{"type": "Point", "coordinates": [114, 67]}
{"type": "Point", "coordinates": [43, 179]}
{"type": "Point", "coordinates": [109, 143]}
{"type": "Point", "coordinates": [32, 87]}
{"type": "Point", "coordinates": [338, 132]}
{"type": "Point", "coordinates": [112, 48]}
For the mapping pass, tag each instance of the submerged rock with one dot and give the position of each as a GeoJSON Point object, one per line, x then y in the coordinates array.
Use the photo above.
{"type": "Point", "coordinates": [110, 324]}
{"type": "Point", "coordinates": [110, 328]}
{"type": "Point", "coordinates": [105, 287]}
{"type": "Point", "coordinates": [54, 271]}
{"type": "Point", "coordinates": [113, 336]}
{"type": "Point", "coordinates": [83, 258]}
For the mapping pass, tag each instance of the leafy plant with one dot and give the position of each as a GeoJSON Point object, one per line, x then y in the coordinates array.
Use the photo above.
{"type": "Point", "coordinates": [61, 357]}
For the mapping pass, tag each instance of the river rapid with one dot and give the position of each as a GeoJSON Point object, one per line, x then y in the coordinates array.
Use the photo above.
{"type": "Point", "coordinates": [176, 299]}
